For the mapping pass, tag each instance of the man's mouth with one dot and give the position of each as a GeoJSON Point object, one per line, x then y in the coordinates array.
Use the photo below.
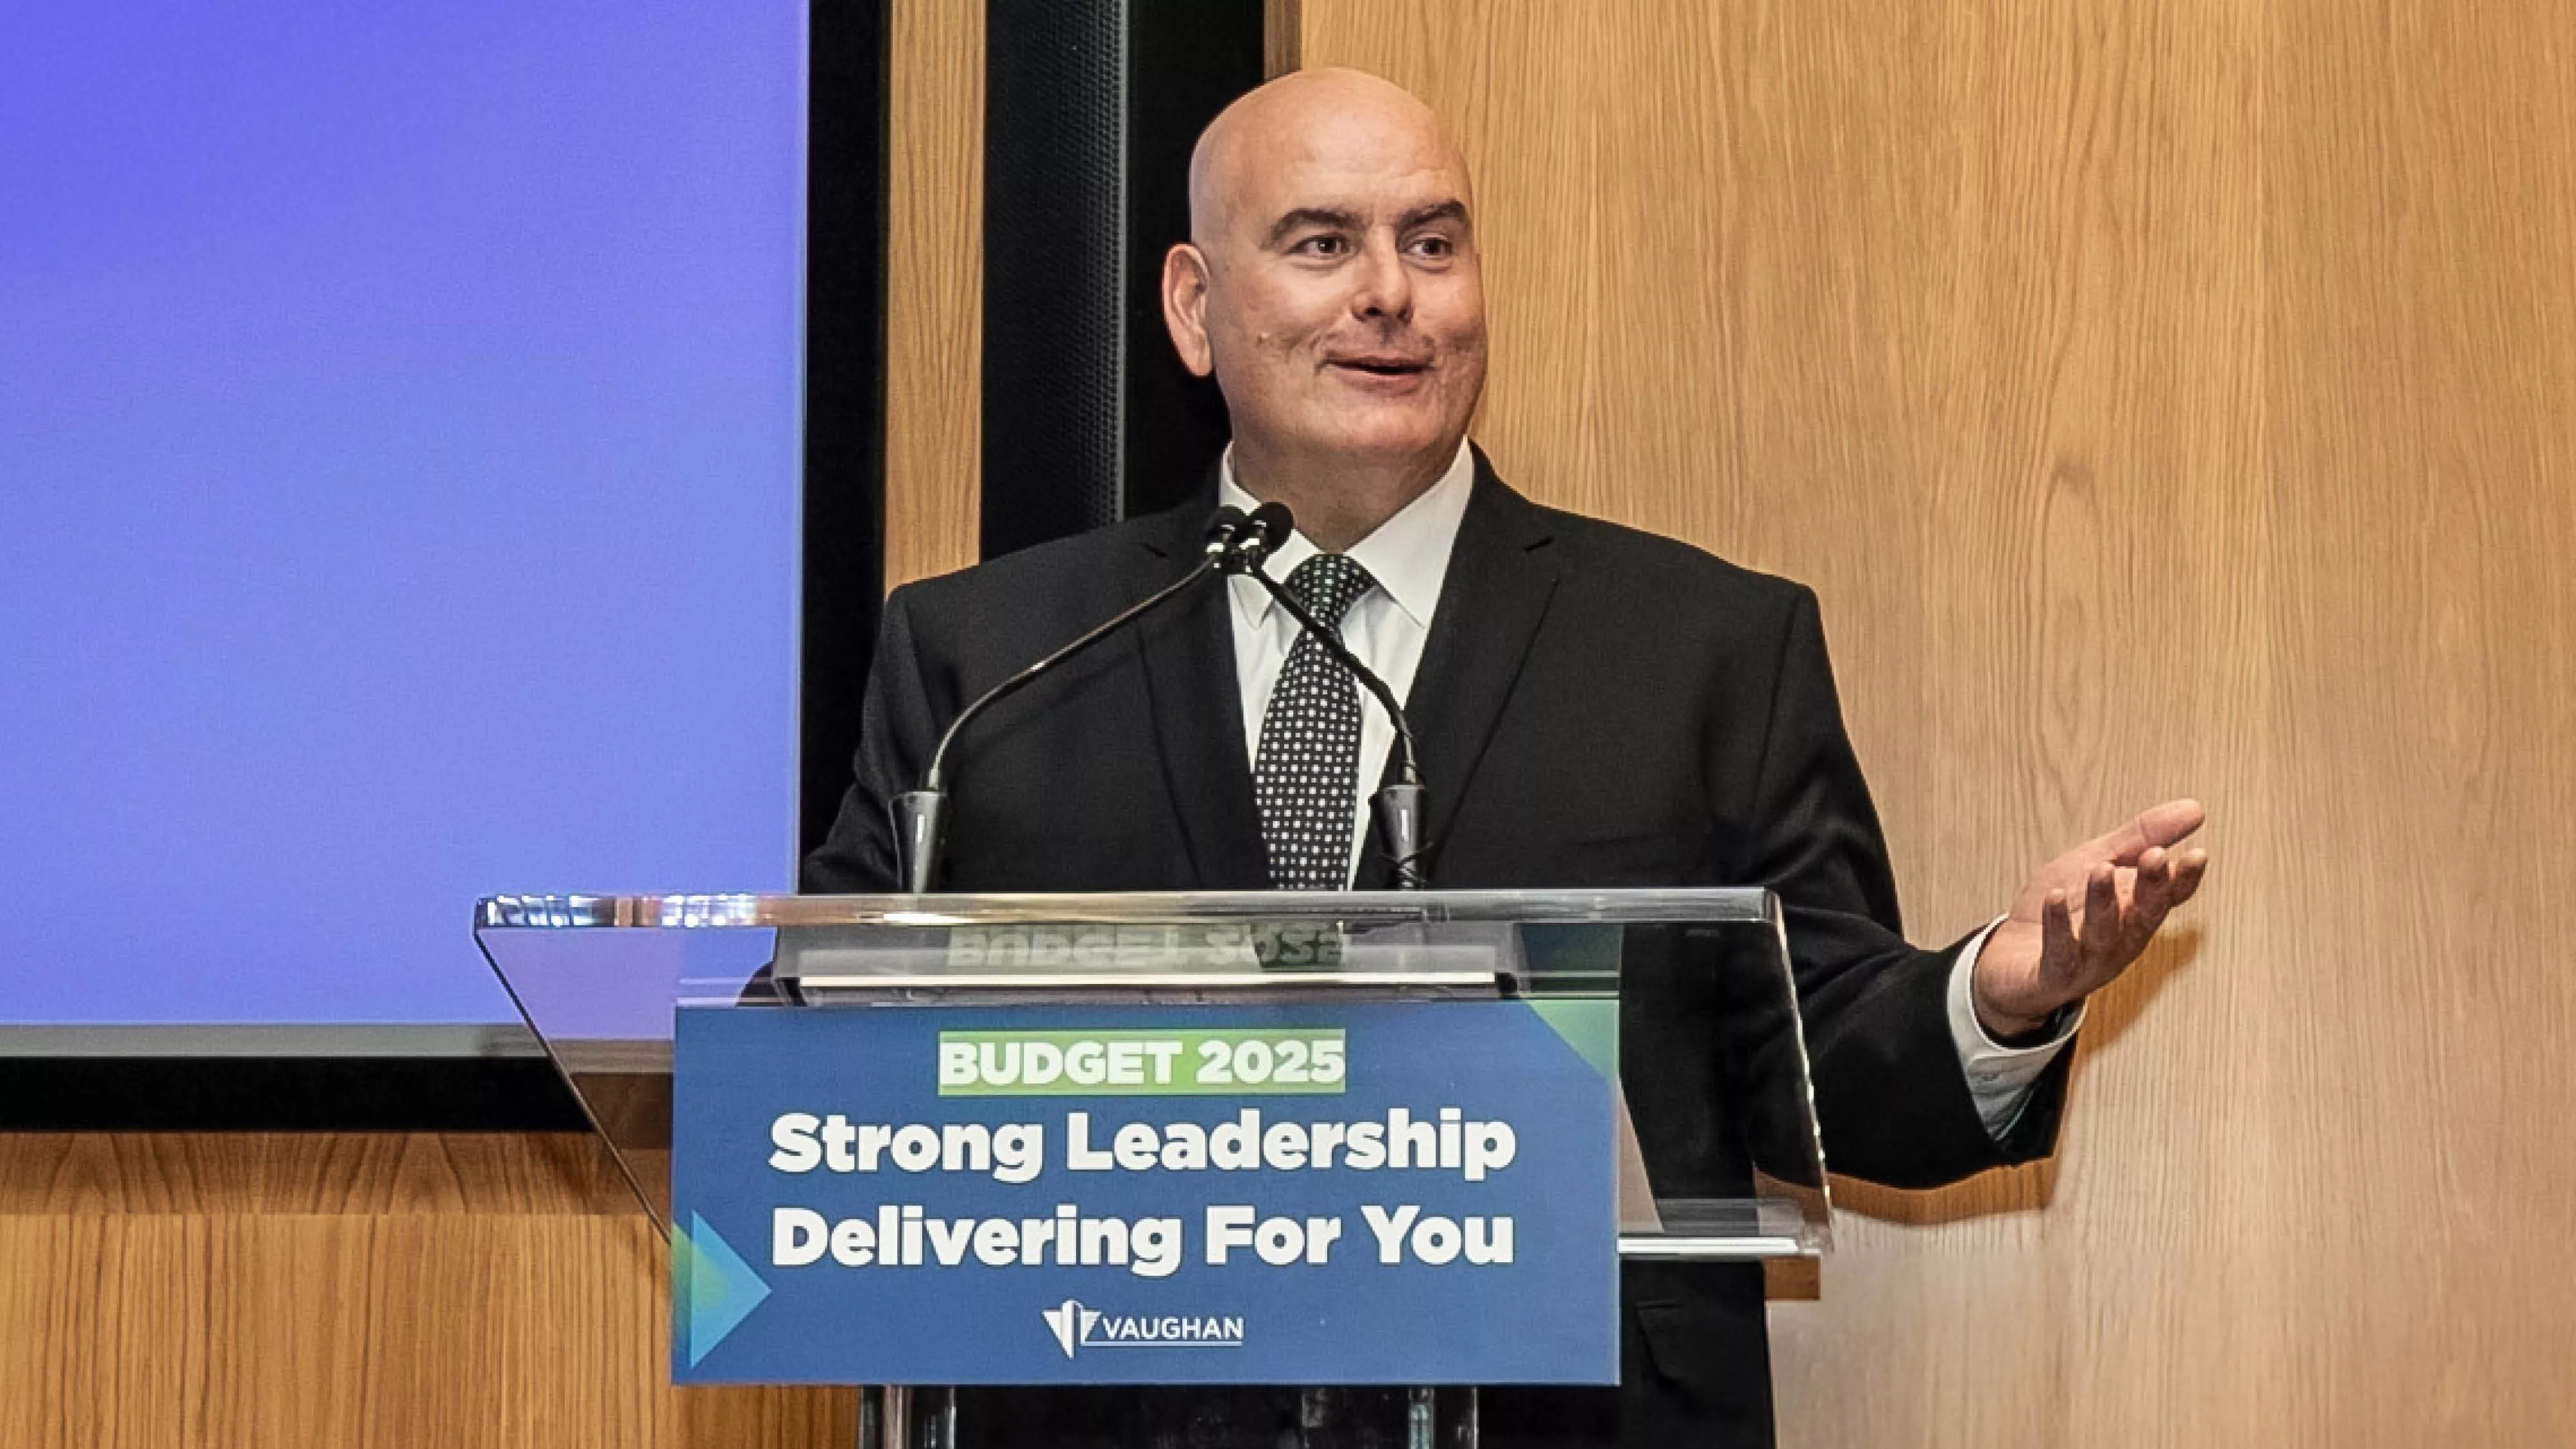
{"type": "Point", "coordinates": [1383, 366]}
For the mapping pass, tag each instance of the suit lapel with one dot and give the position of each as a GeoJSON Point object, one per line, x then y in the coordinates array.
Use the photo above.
{"type": "Point", "coordinates": [1188, 658]}
{"type": "Point", "coordinates": [1501, 576]}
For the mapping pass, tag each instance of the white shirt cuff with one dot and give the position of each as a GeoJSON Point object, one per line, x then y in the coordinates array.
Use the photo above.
{"type": "Point", "coordinates": [1999, 1076]}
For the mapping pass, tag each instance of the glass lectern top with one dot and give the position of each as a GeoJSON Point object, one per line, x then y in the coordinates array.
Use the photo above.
{"type": "Point", "coordinates": [598, 979]}
{"type": "Point", "coordinates": [1712, 905]}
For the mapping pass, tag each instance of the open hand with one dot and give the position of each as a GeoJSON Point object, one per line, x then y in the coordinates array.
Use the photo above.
{"type": "Point", "coordinates": [2085, 916]}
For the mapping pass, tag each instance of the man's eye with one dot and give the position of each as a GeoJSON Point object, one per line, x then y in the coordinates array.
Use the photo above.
{"type": "Point", "coordinates": [1323, 246]}
{"type": "Point", "coordinates": [1434, 246]}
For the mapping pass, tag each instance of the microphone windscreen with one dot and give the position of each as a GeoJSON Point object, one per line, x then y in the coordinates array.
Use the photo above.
{"type": "Point", "coordinates": [1274, 523]}
{"type": "Point", "coordinates": [1224, 526]}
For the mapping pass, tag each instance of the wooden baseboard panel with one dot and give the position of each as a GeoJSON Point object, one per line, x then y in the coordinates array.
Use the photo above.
{"type": "Point", "coordinates": [351, 1290]}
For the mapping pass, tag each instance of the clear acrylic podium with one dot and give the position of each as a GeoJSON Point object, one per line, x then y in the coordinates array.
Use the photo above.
{"type": "Point", "coordinates": [598, 980]}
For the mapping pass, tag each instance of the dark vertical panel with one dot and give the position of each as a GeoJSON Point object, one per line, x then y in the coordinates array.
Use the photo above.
{"type": "Point", "coordinates": [1054, 132]}
{"type": "Point", "coordinates": [844, 394]}
{"type": "Point", "coordinates": [1193, 57]}
{"type": "Point", "coordinates": [1090, 113]}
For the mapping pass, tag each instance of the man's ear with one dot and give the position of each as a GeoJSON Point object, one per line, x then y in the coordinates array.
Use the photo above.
{"type": "Point", "coordinates": [1185, 289]}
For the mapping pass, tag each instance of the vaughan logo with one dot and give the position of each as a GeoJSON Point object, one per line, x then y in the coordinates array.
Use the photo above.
{"type": "Point", "coordinates": [1077, 1327]}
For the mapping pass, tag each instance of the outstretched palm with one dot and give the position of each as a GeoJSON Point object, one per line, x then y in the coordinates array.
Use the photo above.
{"type": "Point", "coordinates": [2085, 916]}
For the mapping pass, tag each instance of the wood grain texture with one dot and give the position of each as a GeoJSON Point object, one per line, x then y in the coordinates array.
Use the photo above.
{"type": "Point", "coordinates": [344, 1290]}
{"type": "Point", "coordinates": [934, 287]}
{"type": "Point", "coordinates": [1283, 31]}
{"type": "Point", "coordinates": [2164, 396]}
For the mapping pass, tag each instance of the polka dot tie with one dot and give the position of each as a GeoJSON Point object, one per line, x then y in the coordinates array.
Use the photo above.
{"type": "Point", "coordinates": [1306, 775]}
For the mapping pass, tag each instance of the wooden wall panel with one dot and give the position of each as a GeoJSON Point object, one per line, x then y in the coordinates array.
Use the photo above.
{"type": "Point", "coordinates": [267, 1291]}
{"type": "Point", "coordinates": [2165, 396]}
{"type": "Point", "coordinates": [934, 287]}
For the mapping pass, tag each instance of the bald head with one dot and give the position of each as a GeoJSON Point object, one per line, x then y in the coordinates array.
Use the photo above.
{"type": "Point", "coordinates": [1332, 286]}
{"type": "Point", "coordinates": [1304, 116]}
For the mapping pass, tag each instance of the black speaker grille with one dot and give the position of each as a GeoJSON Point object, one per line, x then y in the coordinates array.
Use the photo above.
{"type": "Point", "coordinates": [1055, 144]}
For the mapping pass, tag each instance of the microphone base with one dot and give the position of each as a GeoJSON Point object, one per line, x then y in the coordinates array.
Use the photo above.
{"type": "Point", "coordinates": [1397, 812]}
{"type": "Point", "coordinates": [920, 828]}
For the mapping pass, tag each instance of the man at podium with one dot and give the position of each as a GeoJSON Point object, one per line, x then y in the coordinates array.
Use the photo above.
{"type": "Point", "coordinates": [1594, 706]}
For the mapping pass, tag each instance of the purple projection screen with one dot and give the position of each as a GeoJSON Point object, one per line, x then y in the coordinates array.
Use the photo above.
{"type": "Point", "coordinates": [399, 446]}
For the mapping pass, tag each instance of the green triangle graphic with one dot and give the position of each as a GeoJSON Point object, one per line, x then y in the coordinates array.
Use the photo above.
{"type": "Point", "coordinates": [718, 1287]}
{"type": "Point", "coordinates": [1590, 1025]}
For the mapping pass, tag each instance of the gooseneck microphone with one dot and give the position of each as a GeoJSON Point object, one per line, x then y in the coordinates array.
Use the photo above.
{"type": "Point", "coordinates": [1397, 810]}
{"type": "Point", "coordinates": [921, 816]}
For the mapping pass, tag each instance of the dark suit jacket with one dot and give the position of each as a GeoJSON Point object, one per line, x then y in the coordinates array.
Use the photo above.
{"type": "Point", "coordinates": [1596, 707]}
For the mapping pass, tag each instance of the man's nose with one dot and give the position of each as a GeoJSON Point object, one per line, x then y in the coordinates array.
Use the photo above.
{"type": "Point", "coordinates": [1384, 284]}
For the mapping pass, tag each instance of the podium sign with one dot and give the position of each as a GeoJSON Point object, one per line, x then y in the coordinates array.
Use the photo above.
{"type": "Point", "coordinates": [1309, 1192]}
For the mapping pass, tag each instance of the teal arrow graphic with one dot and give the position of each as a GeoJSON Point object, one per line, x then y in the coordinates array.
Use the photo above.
{"type": "Point", "coordinates": [1589, 1025]}
{"type": "Point", "coordinates": [716, 1285]}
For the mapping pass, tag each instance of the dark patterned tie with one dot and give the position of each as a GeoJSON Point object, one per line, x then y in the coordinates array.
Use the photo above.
{"type": "Point", "coordinates": [1306, 775]}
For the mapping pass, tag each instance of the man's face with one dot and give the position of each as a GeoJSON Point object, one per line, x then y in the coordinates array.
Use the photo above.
{"type": "Point", "coordinates": [1343, 311]}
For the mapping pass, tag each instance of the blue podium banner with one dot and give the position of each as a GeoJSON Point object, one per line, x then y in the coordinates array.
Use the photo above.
{"type": "Point", "coordinates": [1382, 1193]}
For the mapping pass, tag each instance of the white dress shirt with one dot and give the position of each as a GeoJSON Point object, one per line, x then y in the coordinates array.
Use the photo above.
{"type": "Point", "coordinates": [1408, 556]}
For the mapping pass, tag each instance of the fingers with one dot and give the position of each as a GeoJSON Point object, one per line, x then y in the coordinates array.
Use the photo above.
{"type": "Point", "coordinates": [2122, 910]}
{"type": "Point", "coordinates": [2157, 825]}
{"type": "Point", "coordinates": [2100, 933]}
{"type": "Point", "coordinates": [2152, 897]}
{"type": "Point", "coordinates": [2187, 873]}
{"type": "Point", "coordinates": [2058, 955]}
{"type": "Point", "coordinates": [2164, 880]}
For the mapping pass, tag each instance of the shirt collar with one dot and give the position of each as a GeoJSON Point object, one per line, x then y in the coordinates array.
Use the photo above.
{"type": "Point", "coordinates": [1408, 554]}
